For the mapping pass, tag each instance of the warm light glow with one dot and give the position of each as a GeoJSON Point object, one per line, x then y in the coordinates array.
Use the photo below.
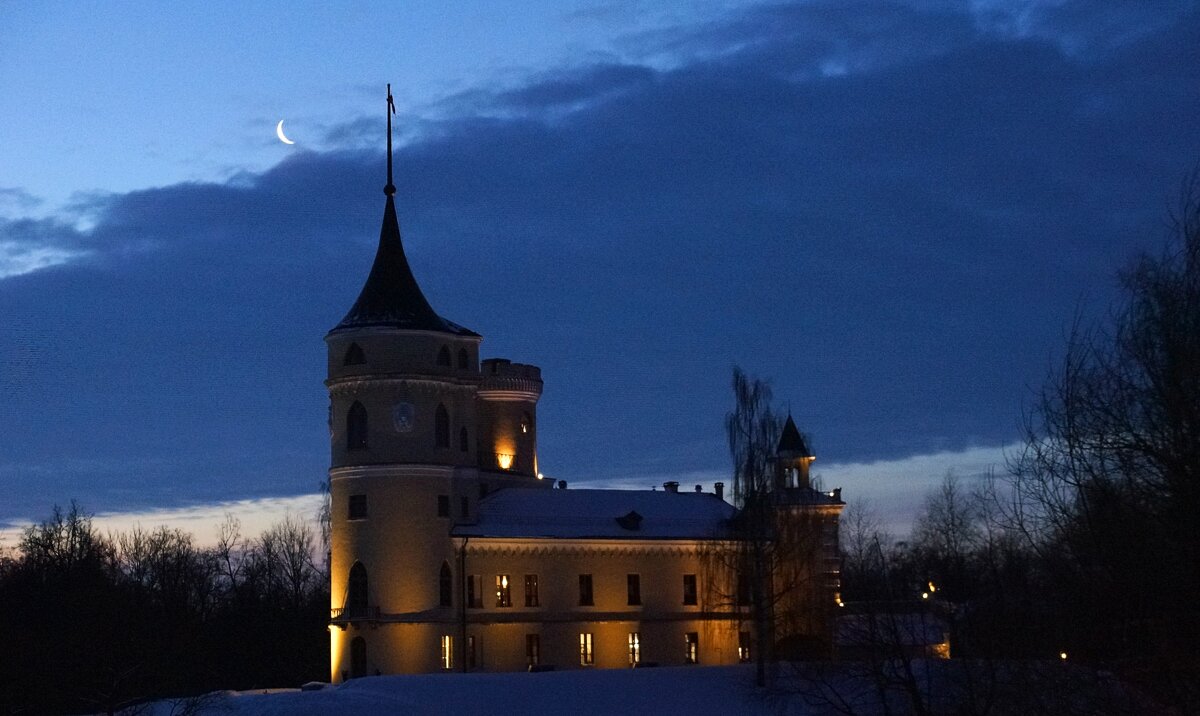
{"type": "Point", "coordinates": [924, 595]}
{"type": "Point", "coordinates": [932, 588]}
{"type": "Point", "coordinates": [504, 460]}
{"type": "Point", "coordinates": [541, 476]}
{"type": "Point", "coordinates": [1062, 655]}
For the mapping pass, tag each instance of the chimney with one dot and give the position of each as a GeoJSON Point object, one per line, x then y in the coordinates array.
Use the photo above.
{"type": "Point", "coordinates": [699, 489]}
{"type": "Point", "coordinates": [720, 490]}
{"type": "Point", "coordinates": [562, 484]}
{"type": "Point", "coordinates": [671, 486]}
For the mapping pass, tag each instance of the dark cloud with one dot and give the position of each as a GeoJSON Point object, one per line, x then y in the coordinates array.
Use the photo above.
{"type": "Point", "coordinates": [890, 211]}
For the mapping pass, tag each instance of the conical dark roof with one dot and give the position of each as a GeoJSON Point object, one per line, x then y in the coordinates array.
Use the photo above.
{"type": "Point", "coordinates": [391, 297]}
{"type": "Point", "coordinates": [791, 441]}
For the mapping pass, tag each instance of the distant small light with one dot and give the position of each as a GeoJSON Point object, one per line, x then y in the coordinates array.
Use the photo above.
{"type": "Point", "coordinates": [924, 595]}
{"type": "Point", "coordinates": [1062, 655]}
{"type": "Point", "coordinates": [932, 588]}
{"type": "Point", "coordinates": [541, 476]}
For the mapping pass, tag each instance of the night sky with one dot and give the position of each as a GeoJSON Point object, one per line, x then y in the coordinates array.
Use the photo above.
{"type": "Point", "coordinates": [893, 211]}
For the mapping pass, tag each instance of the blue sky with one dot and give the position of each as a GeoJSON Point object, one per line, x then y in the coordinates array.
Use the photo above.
{"type": "Point", "coordinates": [894, 211]}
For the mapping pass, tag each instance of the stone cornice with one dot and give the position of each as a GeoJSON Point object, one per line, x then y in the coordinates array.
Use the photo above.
{"type": "Point", "coordinates": [477, 546]}
{"type": "Point", "coordinates": [392, 470]}
{"type": "Point", "coordinates": [389, 331]}
{"type": "Point", "coordinates": [395, 383]}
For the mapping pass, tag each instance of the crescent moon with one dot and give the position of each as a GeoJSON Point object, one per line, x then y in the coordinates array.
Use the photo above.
{"type": "Point", "coordinates": [279, 133]}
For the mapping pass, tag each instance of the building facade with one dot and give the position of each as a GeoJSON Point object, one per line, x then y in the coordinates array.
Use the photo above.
{"type": "Point", "coordinates": [450, 552]}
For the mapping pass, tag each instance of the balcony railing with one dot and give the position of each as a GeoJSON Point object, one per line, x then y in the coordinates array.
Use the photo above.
{"type": "Point", "coordinates": [349, 614]}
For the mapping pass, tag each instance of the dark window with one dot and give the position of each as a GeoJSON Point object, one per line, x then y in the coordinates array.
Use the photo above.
{"type": "Point", "coordinates": [743, 646]}
{"type": "Point", "coordinates": [463, 443]}
{"type": "Point", "coordinates": [483, 490]}
{"type": "Point", "coordinates": [526, 422]}
{"type": "Point", "coordinates": [691, 654]}
{"type": "Point", "coordinates": [441, 427]}
{"type": "Point", "coordinates": [633, 584]}
{"type": "Point", "coordinates": [443, 356]}
{"type": "Point", "coordinates": [464, 361]}
{"type": "Point", "coordinates": [356, 593]}
{"type": "Point", "coordinates": [531, 590]}
{"type": "Point", "coordinates": [689, 589]}
{"type": "Point", "coordinates": [585, 590]}
{"type": "Point", "coordinates": [443, 505]}
{"type": "Point", "coordinates": [463, 503]}
{"type": "Point", "coordinates": [446, 586]}
{"type": "Point", "coordinates": [503, 591]}
{"type": "Point", "coordinates": [743, 591]}
{"type": "Point", "coordinates": [354, 355]}
{"type": "Point", "coordinates": [356, 427]}
{"type": "Point", "coordinates": [475, 591]}
{"type": "Point", "coordinates": [358, 658]}
{"type": "Point", "coordinates": [533, 649]}
{"type": "Point", "coordinates": [358, 507]}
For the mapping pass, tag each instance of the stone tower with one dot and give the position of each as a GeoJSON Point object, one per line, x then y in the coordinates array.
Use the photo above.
{"type": "Point", "coordinates": [418, 434]}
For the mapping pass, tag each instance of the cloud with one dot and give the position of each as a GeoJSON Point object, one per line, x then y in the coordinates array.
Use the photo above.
{"type": "Point", "coordinates": [897, 245]}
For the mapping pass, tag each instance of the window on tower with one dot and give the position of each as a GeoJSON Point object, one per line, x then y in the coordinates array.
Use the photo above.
{"type": "Point", "coordinates": [464, 361]}
{"type": "Point", "coordinates": [531, 590]}
{"type": "Point", "coordinates": [446, 586]}
{"type": "Point", "coordinates": [633, 583]}
{"type": "Point", "coordinates": [444, 356]}
{"type": "Point", "coordinates": [585, 590]}
{"type": "Point", "coordinates": [441, 427]}
{"type": "Point", "coordinates": [443, 505]}
{"type": "Point", "coordinates": [691, 653]}
{"type": "Point", "coordinates": [463, 444]}
{"type": "Point", "coordinates": [475, 591]}
{"type": "Point", "coordinates": [689, 589]}
{"type": "Point", "coordinates": [503, 591]}
{"type": "Point", "coordinates": [354, 355]}
{"type": "Point", "coordinates": [356, 427]}
{"type": "Point", "coordinates": [356, 594]}
{"type": "Point", "coordinates": [358, 507]}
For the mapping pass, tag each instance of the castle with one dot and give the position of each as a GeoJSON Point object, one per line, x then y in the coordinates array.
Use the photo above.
{"type": "Point", "coordinates": [449, 551]}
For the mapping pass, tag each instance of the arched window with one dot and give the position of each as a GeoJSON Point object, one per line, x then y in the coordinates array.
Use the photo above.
{"type": "Point", "coordinates": [354, 355]}
{"type": "Point", "coordinates": [356, 592]}
{"type": "Point", "coordinates": [463, 444]}
{"type": "Point", "coordinates": [358, 658]}
{"type": "Point", "coordinates": [526, 422]}
{"type": "Point", "coordinates": [356, 427]}
{"type": "Point", "coordinates": [446, 586]}
{"type": "Point", "coordinates": [464, 361]}
{"type": "Point", "coordinates": [441, 427]}
{"type": "Point", "coordinates": [444, 356]}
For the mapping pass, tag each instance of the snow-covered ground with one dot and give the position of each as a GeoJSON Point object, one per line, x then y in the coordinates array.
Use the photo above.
{"type": "Point", "coordinates": [725, 690]}
{"type": "Point", "coordinates": [814, 689]}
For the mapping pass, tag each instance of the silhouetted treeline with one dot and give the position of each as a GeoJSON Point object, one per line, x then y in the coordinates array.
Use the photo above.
{"type": "Point", "coordinates": [1089, 543]}
{"type": "Point", "coordinates": [91, 622]}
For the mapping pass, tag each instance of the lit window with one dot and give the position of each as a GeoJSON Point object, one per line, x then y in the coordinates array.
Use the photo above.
{"type": "Point", "coordinates": [585, 590]}
{"type": "Point", "coordinates": [587, 657]}
{"type": "Point", "coordinates": [533, 649]}
{"type": "Point", "coordinates": [635, 648]}
{"type": "Point", "coordinates": [443, 505]}
{"type": "Point", "coordinates": [689, 589]}
{"type": "Point", "coordinates": [443, 356]}
{"type": "Point", "coordinates": [526, 422]}
{"type": "Point", "coordinates": [531, 590]}
{"type": "Point", "coordinates": [447, 655]}
{"type": "Point", "coordinates": [475, 591]}
{"type": "Point", "coordinates": [634, 588]}
{"type": "Point", "coordinates": [691, 654]}
{"type": "Point", "coordinates": [743, 646]}
{"type": "Point", "coordinates": [446, 586]}
{"type": "Point", "coordinates": [503, 592]}
{"type": "Point", "coordinates": [358, 507]}
{"type": "Point", "coordinates": [356, 427]}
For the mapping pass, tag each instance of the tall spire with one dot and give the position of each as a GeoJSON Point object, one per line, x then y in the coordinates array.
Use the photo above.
{"type": "Point", "coordinates": [391, 297]}
{"type": "Point", "coordinates": [390, 188]}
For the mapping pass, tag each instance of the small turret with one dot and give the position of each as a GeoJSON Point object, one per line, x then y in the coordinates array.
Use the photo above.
{"type": "Point", "coordinates": [792, 458]}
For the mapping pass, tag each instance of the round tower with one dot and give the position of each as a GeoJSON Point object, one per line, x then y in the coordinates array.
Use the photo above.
{"type": "Point", "coordinates": [402, 390]}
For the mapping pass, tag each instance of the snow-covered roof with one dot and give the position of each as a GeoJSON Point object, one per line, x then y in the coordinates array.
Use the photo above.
{"type": "Point", "coordinates": [600, 514]}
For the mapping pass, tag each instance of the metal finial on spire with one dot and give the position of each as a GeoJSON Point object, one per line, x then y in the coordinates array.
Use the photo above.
{"type": "Point", "coordinates": [390, 189]}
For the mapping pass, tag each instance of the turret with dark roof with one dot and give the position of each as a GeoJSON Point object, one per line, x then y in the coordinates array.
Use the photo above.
{"type": "Point", "coordinates": [791, 442]}
{"type": "Point", "coordinates": [391, 297]}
